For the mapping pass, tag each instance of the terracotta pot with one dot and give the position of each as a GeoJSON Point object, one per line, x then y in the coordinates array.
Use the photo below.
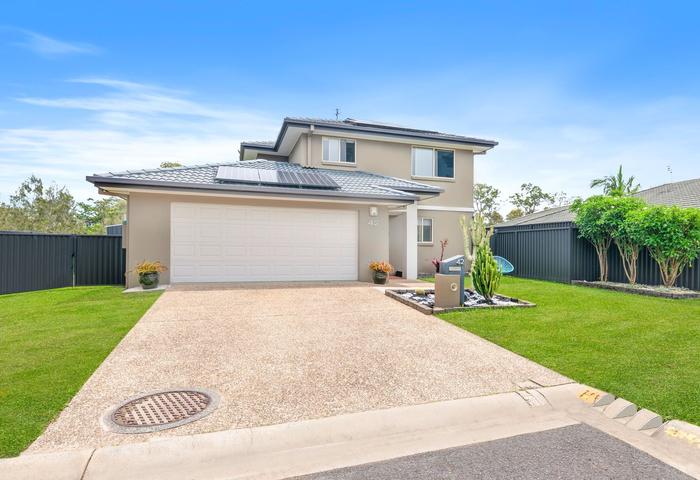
{"type": "Point", "coordinates": [379, 277]}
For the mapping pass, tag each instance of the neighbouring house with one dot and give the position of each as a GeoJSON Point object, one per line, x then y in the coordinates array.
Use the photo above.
{"type": "Point", "coordinates": [318, 203]}
{"type": "Point", "coordinates": [545, 245]}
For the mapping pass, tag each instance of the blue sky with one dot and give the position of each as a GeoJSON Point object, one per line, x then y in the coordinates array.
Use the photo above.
{"type": "Point", "coordinates": [570, 91]}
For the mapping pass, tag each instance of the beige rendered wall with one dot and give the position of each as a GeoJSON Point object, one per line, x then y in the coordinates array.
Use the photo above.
{"type": "Point", "coordinates": [149, 228]}
{"type": "Point", "coordinates": [397, 242]}
{"type": "Point", "coordinates": [394, 159]}
{"type": "Point", "coordinates": [445, 226]}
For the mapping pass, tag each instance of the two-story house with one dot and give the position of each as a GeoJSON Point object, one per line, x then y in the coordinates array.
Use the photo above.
{"type": "Point", "coordinates": [320, 202]}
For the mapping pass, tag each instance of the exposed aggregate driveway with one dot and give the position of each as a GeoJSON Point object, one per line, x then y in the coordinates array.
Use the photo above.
{"type": "Point", "coordinates": [285, 352]}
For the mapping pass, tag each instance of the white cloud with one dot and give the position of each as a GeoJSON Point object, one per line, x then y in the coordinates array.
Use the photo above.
{"type": "Point", "coordinates": [51, 47]}
{"type": "Point", "coordinates": [130, 126]}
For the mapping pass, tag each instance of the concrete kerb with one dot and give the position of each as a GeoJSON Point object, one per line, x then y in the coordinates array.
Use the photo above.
{"type": "Point", "coordinates": [285, 450]}
{"type": "Point", "coordinates": [308, 446]}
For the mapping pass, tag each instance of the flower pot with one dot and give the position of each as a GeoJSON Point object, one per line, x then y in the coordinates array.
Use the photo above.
{"type": "Point", "coordinates": [379, 277]}
{"type": "Point", "coordinates": [149, 280]}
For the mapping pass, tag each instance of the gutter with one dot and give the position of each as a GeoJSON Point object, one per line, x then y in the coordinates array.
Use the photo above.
{"type": "Point", "coordinates": [105, 182]}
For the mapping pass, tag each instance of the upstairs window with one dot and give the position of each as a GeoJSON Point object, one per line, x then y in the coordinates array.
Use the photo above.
{"type": "Point", "coordinates": [433, 162]}
{"type": "Point", "coordinates": [338, 150]}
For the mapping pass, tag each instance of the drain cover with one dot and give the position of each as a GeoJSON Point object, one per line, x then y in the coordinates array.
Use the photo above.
{"type": "Point", "coordinates": [161, 410]}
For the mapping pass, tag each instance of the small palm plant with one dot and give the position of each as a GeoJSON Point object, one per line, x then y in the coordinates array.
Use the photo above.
{"type": "Point", "coordinates": [616, 185]}
{"type": "Point", "coordinates": [486, 275]}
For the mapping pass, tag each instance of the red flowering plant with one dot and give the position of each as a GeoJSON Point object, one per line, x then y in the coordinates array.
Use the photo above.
{"type": "Point", "coordinates": [436, 261]}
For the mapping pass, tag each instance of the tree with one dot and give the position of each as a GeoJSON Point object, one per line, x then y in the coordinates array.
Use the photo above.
{"type": "Point", "coordinates": [672, 236]}
{"type": "Point", "coordinates": [97, 214]}
{"type": "Point", "coordinates": [37, 208]}
{"type": "Point", "coordinates": [170, 165]}
{"type": "Point", "coordinates": [616, 185]}
{"type": "Point", "coordinates": [486, 202]}
{"type": "Point", "coordinates": [592, 225]}
{"type": "Point", "coordinates": [623, 232]}
{"type": "Point", "coordinates": [530, 198]}
{"type": "Point", "coordinates": [496, 218]}
{"type": "Point", "coordinates": [561, 199]}
{"type": "Point", "coordinates": [515, 213]}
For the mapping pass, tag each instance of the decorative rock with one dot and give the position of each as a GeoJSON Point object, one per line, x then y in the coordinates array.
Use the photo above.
{"type": "Point", "coordinates": [620, 408]}
{"type": "Point", "coordinates": [644, 420]}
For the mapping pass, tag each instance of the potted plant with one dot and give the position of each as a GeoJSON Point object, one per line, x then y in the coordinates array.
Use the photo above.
{"type": "Point", "coordinates": [149, 273]}
{"type": "Point", "coordinates": [380, 272]}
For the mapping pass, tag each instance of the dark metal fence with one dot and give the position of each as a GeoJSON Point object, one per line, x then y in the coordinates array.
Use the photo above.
{"type": "Point", "coordinates": [35, 261]}
{"type": "Point", "coordinates": [554, 252]}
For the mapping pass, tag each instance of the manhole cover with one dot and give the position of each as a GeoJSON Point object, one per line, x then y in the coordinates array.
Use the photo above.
{"type": "Point", "coordinates": [161, 410]}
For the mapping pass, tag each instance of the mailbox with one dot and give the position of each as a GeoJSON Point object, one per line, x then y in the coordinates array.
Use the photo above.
{"type": "Point", "coordinates": [454, 266]}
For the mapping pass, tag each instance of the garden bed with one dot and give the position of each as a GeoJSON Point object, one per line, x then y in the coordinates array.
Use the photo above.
{"type": "Point", "coordinates": [423, 300]}
{"type": "Point", "coordinates": [650, 290]}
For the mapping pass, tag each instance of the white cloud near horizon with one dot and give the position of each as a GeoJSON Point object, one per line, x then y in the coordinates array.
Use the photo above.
{"type": "Point", "coordinates": [50, 47]}
{"type": "Point", "coordinates": [129, 126]}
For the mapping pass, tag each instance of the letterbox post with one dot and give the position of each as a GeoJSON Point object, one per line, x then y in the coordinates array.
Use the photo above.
{"type": "Point", "coordinates": [455, 266]}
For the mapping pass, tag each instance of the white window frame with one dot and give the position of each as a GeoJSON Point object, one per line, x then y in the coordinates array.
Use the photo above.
{"type": "Point", "coordinates": [420, 229]}
{"type": "Point", "coordinates": [340, 143]}
{"type": "Point", "coordinates": [433, 175]}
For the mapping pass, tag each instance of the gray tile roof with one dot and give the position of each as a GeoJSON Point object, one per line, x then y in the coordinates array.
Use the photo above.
{"type": "Point", "coordinates": [683, 194]}
{"type": "Point", "coordinates": [373, 127]}
{"type": "Point", "coordinates": [551, 215]}
{"type": "Point", "coordinates": [355, 183]}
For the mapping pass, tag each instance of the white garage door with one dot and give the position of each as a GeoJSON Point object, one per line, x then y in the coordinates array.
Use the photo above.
{"type": "Point", "coordinates": [235, 243]}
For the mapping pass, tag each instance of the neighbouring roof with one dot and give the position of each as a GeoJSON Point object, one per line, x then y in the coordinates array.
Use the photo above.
{"type": "Point", "coordinates": [683, 194]}
{"type": "Point", "coordinates": [352, 184]}
{"type": "Point", "coordinates": [363, 126]}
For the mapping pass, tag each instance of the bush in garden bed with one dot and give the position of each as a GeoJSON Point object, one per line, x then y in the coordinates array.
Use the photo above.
{"type": "Point", "coordinates": [672, 236]}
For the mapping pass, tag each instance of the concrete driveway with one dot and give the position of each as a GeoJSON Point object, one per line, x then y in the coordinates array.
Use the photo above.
{"type": "Point", "coordinates": [287, 352]}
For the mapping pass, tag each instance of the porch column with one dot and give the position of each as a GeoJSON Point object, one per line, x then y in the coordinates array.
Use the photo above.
{"type": "Point", "coordinates": [412, 241]}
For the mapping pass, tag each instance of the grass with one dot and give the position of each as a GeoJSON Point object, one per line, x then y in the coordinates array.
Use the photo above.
{"type": "Point", "coordinates": [50, 343]}
{"type": "Point", "coordinates": [644, 349]}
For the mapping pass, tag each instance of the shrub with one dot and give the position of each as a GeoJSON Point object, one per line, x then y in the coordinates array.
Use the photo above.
{"type": "Point", "coordinates": [624, 233]}
{"type": "Point", "coordinates": [149, 267]}
{"type": "Point", "coordinates": [381, 267]}
{"type": "Point", "coordinates": [672, 236]}
{"type": "Point", "coordinates": [486, 275]}
{"type": "Point", "coordinates": [591, 220]}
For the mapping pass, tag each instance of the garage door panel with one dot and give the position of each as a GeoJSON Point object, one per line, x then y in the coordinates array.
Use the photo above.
{"type": "Point", "coordinates": [221, 243]}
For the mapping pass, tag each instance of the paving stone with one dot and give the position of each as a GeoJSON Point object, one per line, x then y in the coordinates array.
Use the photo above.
{"type": "Point", "coordinates": [620, 408]}
{"type": "Point", "coordinates": [645, 420]}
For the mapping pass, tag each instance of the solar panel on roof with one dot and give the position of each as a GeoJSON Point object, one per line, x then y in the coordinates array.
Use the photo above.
{"type": "Point", "coordinates": [275, 177]}
{"type": "Point", "coordinates": [306, 179]}
{"type": "Point", "coordinates": [238, 174]}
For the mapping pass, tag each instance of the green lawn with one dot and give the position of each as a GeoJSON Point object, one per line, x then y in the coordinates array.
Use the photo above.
{"type": "Point", "coordinates": [50, 343]}
{"type": "Point", "coordinates": [644, 349]}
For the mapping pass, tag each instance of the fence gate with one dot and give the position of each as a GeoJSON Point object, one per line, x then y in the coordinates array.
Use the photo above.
{"type": "Point", "coordinates": [37, 261]}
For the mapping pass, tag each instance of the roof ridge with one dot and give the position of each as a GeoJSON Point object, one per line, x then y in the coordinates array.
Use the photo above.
{"type": "Point", "coordinates": [152, 170]}
{"type": "Point", "coordinates": [667, 184]}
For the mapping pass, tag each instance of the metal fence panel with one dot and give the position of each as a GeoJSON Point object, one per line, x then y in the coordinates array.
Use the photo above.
{"type": "Point", "coordinates": [99, 260]}
{"type": "Point", "coordinates": [34, 262]}
{"type": "Point", "coordinates": [541, 253]}
{"type": "Point", "coordinates": [555, 252]}
{"type": "Point", "coordinates": [30, 261]}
